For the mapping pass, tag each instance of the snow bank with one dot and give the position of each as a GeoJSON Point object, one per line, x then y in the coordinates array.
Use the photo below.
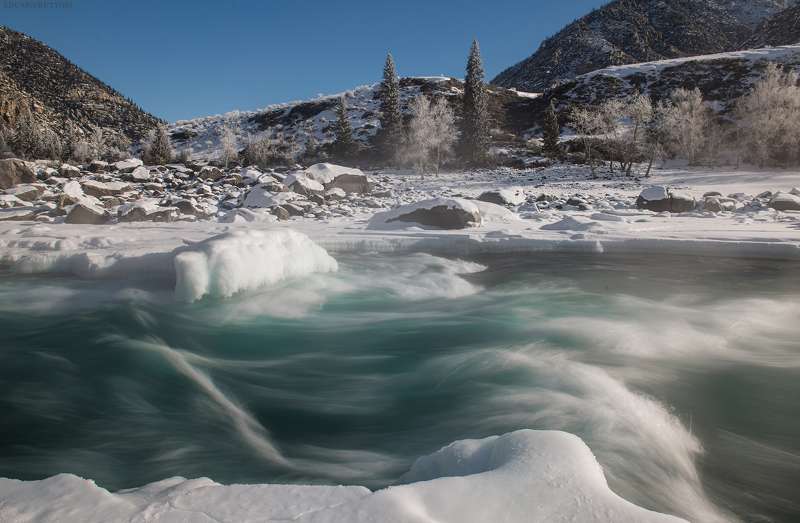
{"type": "Point", "coordinates": [246, 259]}
{"type": "Point", "coordinates": [530, 476]}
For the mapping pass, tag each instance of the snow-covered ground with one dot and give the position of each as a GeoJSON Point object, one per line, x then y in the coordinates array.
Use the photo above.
{"type": "Point", "coordinates": [521, 476]}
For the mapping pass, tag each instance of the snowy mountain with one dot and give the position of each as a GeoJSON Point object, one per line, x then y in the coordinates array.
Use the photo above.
{"type": "Point", "coordinates": [57, 92]}
{"type": "Point", "coordinates": [297, 121]}
{"type": "Point", "coordinates": [721, 77]}
{"type": "Point", "coordinates": [631, 31]}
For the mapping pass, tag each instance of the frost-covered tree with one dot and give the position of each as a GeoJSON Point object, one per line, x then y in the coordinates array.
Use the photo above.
{"type": "Point", "coordinates": [431, 134]}
{"type": "Point", "coordinates": [391, 136]}
{"type": "Point", "coordinates": [344, 146]}
{"type": "Point", "coordinates": [551, 132]}
{"type": "Point", "coordinates": [24, 138]}
{"type": "Point", "coordinates": [768, 119]}
{"type": "Point", "coordinates": [639, 111]}
{"type": "Point", "coordinates": [158, 147]}
{"type": "Point", "coordinates": [476, 133]}
{"type": "Point", "coordinates": [227, 141]}
{"type": "Point", "coordinates": [686, 123]}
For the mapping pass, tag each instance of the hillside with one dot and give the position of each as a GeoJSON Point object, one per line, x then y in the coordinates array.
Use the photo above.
{"type": "Point", "coordinates": [296, 121]}
{"type": "Point", "coordinates": [632, 31]}
{"type": "Point", "coordinates": [36, 77]}
{"type": "Point", "coordinates": [780, 29]}
{"type": "Point", "coordinates": [721, 77]}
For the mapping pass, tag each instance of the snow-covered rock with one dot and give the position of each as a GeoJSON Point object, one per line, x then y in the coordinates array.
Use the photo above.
{"type": "Point", "coordinates": [127, 166]}
{"type": "Point", "coordinates": [660, 199]}
{"type": "Point", "coordinates": [146, 211]}
{"type": "Point", "coordinates": [98, 189]}
{"type": "Point", "coordinates": [141, 174]}
{"type": "Point", "coordinates": [503, 197]}
{"type": "Point", "coordinates": [69, 171]}
{"type": "Point", "coordinates": [301, 183]}
{"type": "Point", "coordinates": [524, 476]}
{"type": "Point", "coordinates": [25, 192]}
{"type": "Point", "coordinates": [350, 180]}
{"type": "Point", "coordinates": [84, 212]}
{"type": "Point", "coordinates": [440, 213]}
{"type": "Point", "coordinates": [571, 223]}
{"type": "Point", "coordinates": [785, 202]}
{"type": "Point", "coordinates": [245, 260]}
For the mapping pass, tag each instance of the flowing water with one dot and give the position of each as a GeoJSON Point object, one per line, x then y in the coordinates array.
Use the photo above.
{"type": "Point", "coordinates": [681, 373]}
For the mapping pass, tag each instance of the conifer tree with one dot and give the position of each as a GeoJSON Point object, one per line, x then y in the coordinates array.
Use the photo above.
{"type": "Point", "coordinates": [391, 117]}
{"type": "Point", "coordinates": [551, 132]}
{"type": "Point", "coordinates": [476, 132]}
{"type": "Point", "coordinates": [344, 146]}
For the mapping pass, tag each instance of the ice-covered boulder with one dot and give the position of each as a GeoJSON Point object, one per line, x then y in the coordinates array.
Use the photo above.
{"type": "Point", "coordinates": [245, 260]}
{"type": "Point", "coordinates": [440, 213]}
{"type": "Point", "coordinates": [525, 476]}
{"type": "Point", "coordinates": [785, 202]}
{"type": "Point", "coordinates": [661, 199]}
{"type": "Point", "coordinates": [13, 172]}
{"type": "Point", "coordinates": [503, 197]}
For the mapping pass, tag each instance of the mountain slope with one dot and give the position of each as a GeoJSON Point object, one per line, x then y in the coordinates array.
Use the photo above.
{"type": "Point", "coordinates": [296, 122]}
{"type": "Point", "coordinates": [36, 77]}
{"type": "Point", "coordinates": [631, 31]}
{"type": "Point", "coordinates": [780, 29]}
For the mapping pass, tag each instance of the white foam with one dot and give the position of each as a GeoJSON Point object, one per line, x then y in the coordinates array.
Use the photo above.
{"type": "Point", "coordinates": [244, 260]}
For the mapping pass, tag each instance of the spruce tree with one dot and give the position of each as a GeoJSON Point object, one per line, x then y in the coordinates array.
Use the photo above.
{"type": "Point", "coordinates": [476, 134]}
{"type": "Point", "coordinates": [344, 146]}
{"type": "Point", "coordinates": [391, 117]}
{"type": "Point", "coordinates": [551, 132]}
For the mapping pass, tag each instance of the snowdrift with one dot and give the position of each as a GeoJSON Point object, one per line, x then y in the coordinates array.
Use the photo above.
{"type": "Point", "coordinates": [530, 476]}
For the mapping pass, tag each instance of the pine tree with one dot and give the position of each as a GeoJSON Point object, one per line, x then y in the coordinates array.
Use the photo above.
{"type": "Point", "coordinates": [391, 117]}
{"type": "Point", "coordinates": [344, 146]}
{"type": "Point", "coordinates": [476, 132]}
{"type": "Point", "coordinates": [158, 149]}
{"type": "Point", "coordinates": [551, 132]}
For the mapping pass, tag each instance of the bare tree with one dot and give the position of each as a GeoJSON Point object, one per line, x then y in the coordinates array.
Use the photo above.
{"type": "Point", "coordinates": [639, 109]}
{"type": "Point", "coordinates": [227, 141]}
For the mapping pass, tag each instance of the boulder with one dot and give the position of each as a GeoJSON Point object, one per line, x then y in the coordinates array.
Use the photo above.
{"type": "Point", "coordinates": [785, 202]}
{"type": "Point", "coordinates": [26, 192]}
{"type": "Point", "coordinates": [141, 174]}
{"type": "Point", "coordinates": [300, 183]}
{"type": "Point", "coordinates": [440, 213]}
{"type": "Point", "coordinates": [86, 213]}
{"type": "Point", "coordinates": [17, 214]}
{"type": "Point", "coordinates": [13, 172]}
{"type": "Point", "coordinates": [8, 201]}
{"type": "Point", "coordinates": [794, 191]}
{"type": "Point", "coordinates": [72, 191]}
{"type": "Point", "coordinates": [98, 189]}
{"type": "Point", "coordinates": [660, 199]}
{"type": "Point", "coordinates": [210, 173]}
{"type": "Point", "coordinates": [146, 212]}
{"type": "Point", "coordinates": [98, 166]}
{"type": "Point", "coordinates": [280, 213]}
{"type": "Point", "coordinates": [127, 166]}
{"type": "Point", "coordinates": [69, 171]}
{"type": "Point", "coordinates": [503, 197]}
{"type": "Point", "coordinates": [712, 204]}
{"type": "Point", "coordinates": [350, 180]}
{"type": "Point", "coordinates": [335, 194]}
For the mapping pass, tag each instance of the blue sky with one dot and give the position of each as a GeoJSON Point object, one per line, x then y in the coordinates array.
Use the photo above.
{"type": "Point", "coordinates": [181, 59]}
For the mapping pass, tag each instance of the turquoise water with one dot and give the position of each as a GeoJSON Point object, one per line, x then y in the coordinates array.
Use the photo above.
{"type": "Point", "coordinates": [680, 373]}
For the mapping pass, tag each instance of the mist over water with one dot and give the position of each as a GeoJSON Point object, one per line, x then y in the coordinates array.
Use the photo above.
{"type": "Point", "coordinates": [680, 373]}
